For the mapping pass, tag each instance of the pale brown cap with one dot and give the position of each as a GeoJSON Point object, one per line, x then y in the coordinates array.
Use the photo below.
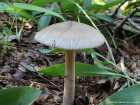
{"type": "Point", "coordinates": [70, 35]}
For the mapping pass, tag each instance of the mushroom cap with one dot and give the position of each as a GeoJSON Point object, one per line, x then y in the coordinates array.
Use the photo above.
{"type": "Point", "coordinates": [70, 35]}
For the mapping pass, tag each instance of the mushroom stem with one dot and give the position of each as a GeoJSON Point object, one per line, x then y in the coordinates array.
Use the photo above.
{"type": "Point", "coordinates": [69, 80]}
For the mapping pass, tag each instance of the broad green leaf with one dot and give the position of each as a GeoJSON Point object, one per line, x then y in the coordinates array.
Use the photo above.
{"type": "Point", "coordinates": [5, 30]}
{"type": "Point", "coordinates": [36, 8]}
{"type": "Point", "coordinates": [58, 10]}
{"type": "Point", "coordinates": [31, 69]}
{"type": "Point", "coordinates": [70, 7]}
{"type": "Point", "coordinates": [81, 69]}
{"type": "Point", "coordinates": [111, 4]}
{"type": "Point", "coordinates": [24, 14]}
{"type": "Point", "coordinates": [50, 51]}
{"type": "Point", "coordinates": [22, 95]}
{"type": "Point", "coordinates": [45, 20]}
{"type": "Point", "coordinates": [4, 6]}
{"type": "Point", "coordinates": [87, 3]}
{"type": "Point", "coordinates": [43, 2]}
{"type": "Point", "coordinates": [94, 7]}
{"type": "Point", "coordinates": [106, 18]}
{"type": "Point", "coordinates": [82, 19]}
{"type": "Point", "coordinates": [87, 51]}
{"type": "Point", "coordinates": [128, 96]}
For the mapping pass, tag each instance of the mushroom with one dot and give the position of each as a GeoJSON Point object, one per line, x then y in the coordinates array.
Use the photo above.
{"type": "Point", "coordinates": [70, 36]}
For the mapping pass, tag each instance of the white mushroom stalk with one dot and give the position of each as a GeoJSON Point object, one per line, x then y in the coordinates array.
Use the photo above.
{"type": "Point", "coordinates": [70, 36]}
{"type": "Point", "coordinates": [69, 80]}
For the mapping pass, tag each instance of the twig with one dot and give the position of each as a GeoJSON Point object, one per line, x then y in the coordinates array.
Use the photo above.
{"type": "Point", "coordinates": [116, 11]}
{"type": "Point", "coordinates": [44, 78]}
{"type": "Point", "coordinates": [135, 77]}
{"type": "Point", "coordinates": [28, 82]}
{"type": "Point", "coordinates": [124, 69]}
{"type": "Point", "coordinates": [133, 24]}
{"type": "Point", "coordinates": [11, 75]}
{"type": "Point", "coordinates": [39, 75]}
{"type": "Point", "coordinates": [46, 58]}
{"type": "Point", "coordinates": [118, 16]}
{"type": "Point", "coordinates": [126, 18]}
{"type": "Point", "coordinates": [123, 86]}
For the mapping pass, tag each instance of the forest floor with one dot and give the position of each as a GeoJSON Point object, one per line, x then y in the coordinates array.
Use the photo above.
{"type": "Point", "coordinates": [89, 90]}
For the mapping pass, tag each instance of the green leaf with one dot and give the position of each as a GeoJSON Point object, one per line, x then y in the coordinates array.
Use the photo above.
{"type": "Point", "coordinates": [50, 51]}
{"type": "Point", "coordinates": [10, 32]}
{"type": "Point", "coordinates": [87, 51]}
{"type": "Point", "coordinates": [22, 14]}
{"type": "Point", "coordinates": [4, 6]}
{"type": "Point", "coordinates": [111, 4]}
{"type": "Point", "coordinates": [81, 69]}
{"type": "Point", "coordinates": [87, 3]}
{"type": "Point", "coordinates": [58, 10]}
{"type": "Point", "coordinates": [31, 69]}
{"type": "Point", "coordinates": [22, 95]}
{"type": "Point", "coordinates": [106, 18]}
{"type": "Point", "coordinates": [36, 8]}
{"type": "Point", "coordinates": [20, 1]}
{"type": "Point", "coordinates": [128, 96]}
{"type": "Point", "coordinates": [99, 64]}
{"type": "Point", "coordinates": [105, 63]}
{"type": "Point", "coordinates": [138, 13]}
{"type": "Point", "coordinates": [5, 30]}
{"type": "Point", "coordinates": [43, 2]}
{"type": "Point", "coordinates": [95, 7]}
{"type": "Point", "coordinates": [45, 20]}
{"type": "Point", "coordinates": [70, 7]}
{"type": "Point", "coordinates": [82, 19]}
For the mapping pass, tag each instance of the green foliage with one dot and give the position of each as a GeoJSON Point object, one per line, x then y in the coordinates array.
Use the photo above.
{"type": "Point", "coordinates": [130, 6]}
{"type": "Point", "coordinates": [124, 97]}
{"type": "Point", "coordinates": [70, 7]}
{"type": "Point", "coordinates": [94, 7]}
{"type": "Point", "coordinates": [18, 95]}
{"type": "Point", "coordinates": [87, 51]}
{"type": "Point", "coordinates": [35, 8]}
{"type": "Point", "coordinates": [45, 20]}
{"type": "Point", "coordinates": [58, 10]}
{"type": "Point", "coordinates": [25, 15]}
{"type": "Point", "coordinates": [76, 9]}
{"type": "Point", "coordinates": [51, 51]}
{"type": "Point", "coordinates": [111, 4]}
{"type": "Point", "coordinates": [43, 2]}
{"type": "Point", "coordinates": [5, 30]}
{"type": "Point", "coordinates": [81, 69]}
{"type": "Point", "coordinates": [87, 3]}
{"type": "Point", "coordinates": [4, 6]}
